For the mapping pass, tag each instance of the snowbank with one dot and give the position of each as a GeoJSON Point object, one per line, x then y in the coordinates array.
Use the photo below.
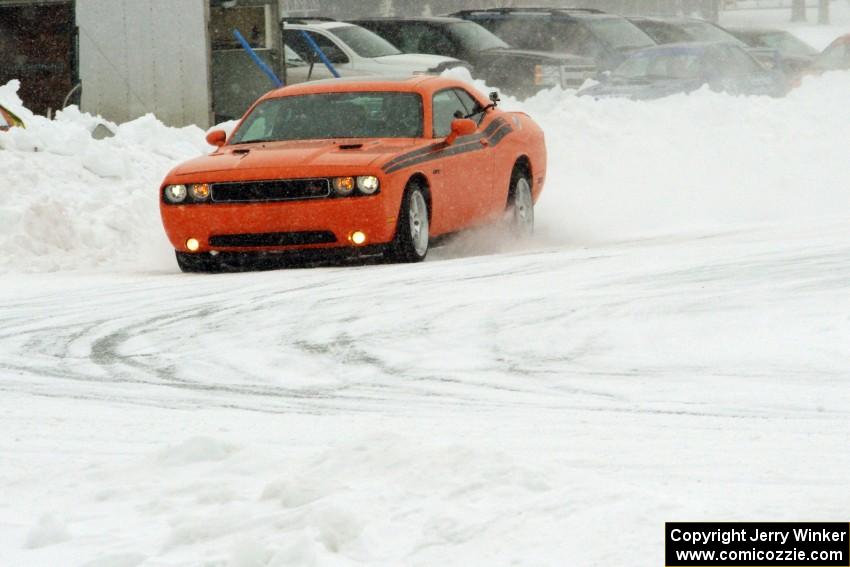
{"type": "Point", "coordinates": [71, 201]}
{"type": "Point", "coordinates": [618, 170]}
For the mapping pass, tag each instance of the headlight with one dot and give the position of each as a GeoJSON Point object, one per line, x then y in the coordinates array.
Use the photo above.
{"type": "Point", "coordinates": [200, 191]}
{"type": "Point", "coordinates": [343, 186]}
{"type": "Point", "coordinates": [367, 184]}
{"type": "Point", "coordinates": [175, 193]}
{"type": "Point", "coordinates": [547, 75]}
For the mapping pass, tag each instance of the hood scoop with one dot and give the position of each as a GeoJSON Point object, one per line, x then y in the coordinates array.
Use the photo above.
{"type": "Point", "coordinates": [350, 146]}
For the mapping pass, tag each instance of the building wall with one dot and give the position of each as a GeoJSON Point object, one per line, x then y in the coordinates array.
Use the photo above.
{"type": "Point", "coordinates": [143, 56]}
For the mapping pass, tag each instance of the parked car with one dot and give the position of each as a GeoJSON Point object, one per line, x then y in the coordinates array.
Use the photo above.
{"type": "Point", "coordinates": [685, 30]}
{"type": "Point", "coordinates": [795, 54]}
{"type": "Point", "coordinates": [606, 38]}
{"type": "Point", "coordinates": [520, 72]}
{"type": "Point", "coordinates": [8, 119]}
{"type": "Point", "coordinates": [351, 167]}
{"type": "Point", "coordinates": [352, 50]}
{"type": "Point", "coordinates": [836, 57]}
{"type": "Point", "coordinates": [684, 67]}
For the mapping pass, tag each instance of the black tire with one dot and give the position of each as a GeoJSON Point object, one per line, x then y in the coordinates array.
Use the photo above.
{"type": "Point", "coordinates": [520, 210]}
{"type": "Point", "coordinates": [412, 239]}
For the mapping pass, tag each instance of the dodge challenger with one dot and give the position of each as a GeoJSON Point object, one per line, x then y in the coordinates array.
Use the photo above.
{"type": "Point", "coordinates": [354, 168]}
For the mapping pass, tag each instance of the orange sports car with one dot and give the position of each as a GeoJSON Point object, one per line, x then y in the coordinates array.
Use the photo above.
{"type": "Point", "coordinates": [354, 168]}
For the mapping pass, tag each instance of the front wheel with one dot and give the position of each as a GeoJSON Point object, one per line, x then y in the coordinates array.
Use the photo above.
{"type": "Point", "coordinates": [520, 211]}
{"type": "Point", "coordinates": [412, 234]}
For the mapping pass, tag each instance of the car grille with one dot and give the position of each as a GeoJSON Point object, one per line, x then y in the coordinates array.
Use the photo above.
{"type": "Point", "coordinates": [574, 77]}
{"type": "Point", "coordinates": [279, 190]}
{"type": "Point", "coordinates": [273, 239]}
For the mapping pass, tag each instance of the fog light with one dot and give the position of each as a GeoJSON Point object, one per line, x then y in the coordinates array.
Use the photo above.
{"type": "Point", "coordinates": [358, 238]}
{"type": "Point", "coordinates": [192, 245]}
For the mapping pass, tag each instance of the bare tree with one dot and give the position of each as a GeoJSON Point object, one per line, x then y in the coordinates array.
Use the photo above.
{"type": "Point", "coordinates": [823, 12]}
{"type": "Point", "coordinates": [798, 11]}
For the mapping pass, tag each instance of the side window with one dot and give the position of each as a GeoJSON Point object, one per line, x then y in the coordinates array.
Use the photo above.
{"type": "Point", "coordinates": [582, 42]}
{"type": "Point", "coordinates": [444, 107]}
{"type": "Point", "coordinates": [834, 57]}
{"type": "Point", "coordinates": [436, 42]}
{"type": "Point", "coordinates": [741, 63]}
{"type": "Point", "coordinates": [470, 104]}
{"type": "Point", "coordinates": [410, 38]}
{"type": "Point", "coordinates": [522, 33]}
{"type": "Point", "coordinates": [295, 40]}
{"type": "Point", "coordinates": [389, 32]}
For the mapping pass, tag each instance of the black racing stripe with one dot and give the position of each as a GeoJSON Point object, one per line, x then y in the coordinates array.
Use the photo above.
{"type": "Point", "coordinates": [435, 150]}
{"type": "Point", "coordinates": [498, 128]}
{"type": "Point", "coordinates": [413, 154]}
{"type": "Point", "coordinates": [492, 127]}
{"type": "Point", "coordinates": [454, 150]}
{"type": "Point", "coordinates": [501, 133]}
{"type": "Point", "coordinates": [445, 152]}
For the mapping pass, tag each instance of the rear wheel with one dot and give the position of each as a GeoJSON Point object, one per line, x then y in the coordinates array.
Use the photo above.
{"type": "Point", "coordinates": [412, 237]}
{"type": "Point", "coordinates": [520, 210]}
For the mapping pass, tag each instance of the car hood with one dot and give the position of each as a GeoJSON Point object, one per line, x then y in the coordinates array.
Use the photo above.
{"type": "Point", "coordinates": [642, 90]}
{"type": "Point", "coordinates": [416, 61]}
{"type": "Point", "coordinates": [541, 57]}
{"type": "Point", "coordinates": [295, 158]}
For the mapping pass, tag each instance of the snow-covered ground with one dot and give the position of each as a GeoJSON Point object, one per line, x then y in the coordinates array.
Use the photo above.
{"type": "Point", "coordinates": [674, 345]}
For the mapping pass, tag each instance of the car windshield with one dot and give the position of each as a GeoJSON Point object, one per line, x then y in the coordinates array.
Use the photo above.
{"type": "Point", "coordinates": [833, 57]}
{"type": "Point", "coordinates": [473, 37]}
{"type": "Point", "coordinates": [292, 58]}
{"type": "Point", "coordinates": [364, 42]}
{"type": "Point", "coordinates": [333, 115]}
{"type": "Point", "coordinates": [787, 43]}
{"type": "Point", "coordinates": [704, 31]}
{"type": "Point", "coordinates": [661, 65]}
{"type": "Point", "coordinates": [619, 33]}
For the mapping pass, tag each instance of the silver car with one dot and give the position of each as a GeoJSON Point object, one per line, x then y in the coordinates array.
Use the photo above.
{"type": "Point", "coordinates": [352, 51]}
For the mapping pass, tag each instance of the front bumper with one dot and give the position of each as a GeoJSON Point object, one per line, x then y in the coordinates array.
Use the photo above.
{"type": "Point", "coordinates": [279, 226]}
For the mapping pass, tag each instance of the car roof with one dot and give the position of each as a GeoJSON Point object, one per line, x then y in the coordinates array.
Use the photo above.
{"type": "Point", "coordinates": [318, 24]}
{"type": "Point", "coordinates": [685, 47]}
{"type": "Point", "coordinates": [571, 13]}
{"type": "Point", "coordinates": [670, 19]}
{"type": "Point", "coordinates": [415, 83]}
{"type": "Point", "coordinates": [756, 30]}
{"type": "Point", "coordinates": [425, 19]}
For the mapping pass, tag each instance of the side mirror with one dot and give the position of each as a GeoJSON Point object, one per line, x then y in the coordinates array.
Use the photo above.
{"type": "Point", "coordinates": [602, 76]}
{"type": "Point", "coordinates": [217, 138]}
{"type": "Point", "coordinates": [460, 127]}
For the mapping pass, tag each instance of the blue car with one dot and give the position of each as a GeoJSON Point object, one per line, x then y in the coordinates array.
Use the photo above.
{"type": "Point", "coordinates": [681, 68]}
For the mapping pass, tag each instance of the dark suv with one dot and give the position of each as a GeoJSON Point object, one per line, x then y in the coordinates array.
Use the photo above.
{"type": "Point", "coordinates": [606, 38]}
{"type": "Point", "coordinates": [688, 30]}
{"type": "Point", "coordinates": [519, 72]}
